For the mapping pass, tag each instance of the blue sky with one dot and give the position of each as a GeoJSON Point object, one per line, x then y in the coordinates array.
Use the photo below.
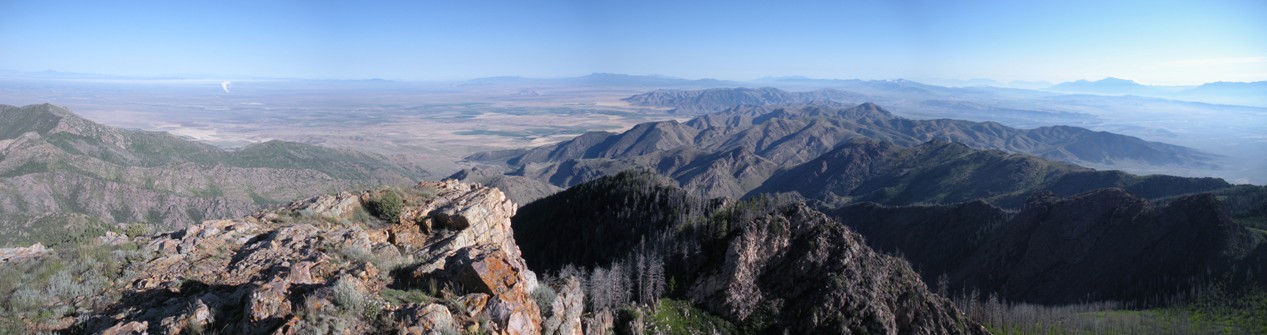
{"type": "Point", "coordinates": [1156, 42]}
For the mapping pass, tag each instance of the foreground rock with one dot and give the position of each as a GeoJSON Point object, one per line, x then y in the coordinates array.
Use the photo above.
{"type": "Point", "coordinates": [446, 263]}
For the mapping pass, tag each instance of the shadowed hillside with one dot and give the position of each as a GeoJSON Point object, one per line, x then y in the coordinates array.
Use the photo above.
{"type": "Point", "coordinates": [1105, 244]}
{"type": "Point", "coordinates": [942, 172]}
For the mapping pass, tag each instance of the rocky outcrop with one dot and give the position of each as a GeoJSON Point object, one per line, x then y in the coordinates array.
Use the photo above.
{"type": "Point", "coordinates": [805, 273]}
{"type": "Point", "coordinates": [445, 263]}
{"type": "Point", "coordinates": [564, 315]}
{"type": "Point", "coordinates": [22, 253]}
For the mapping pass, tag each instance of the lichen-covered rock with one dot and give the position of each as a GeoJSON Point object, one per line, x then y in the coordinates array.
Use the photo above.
{"type": "Point", "coordinates": [311, 266]}
{"type": "Point", "coordinates": [425, 320]}
{"type": "Point", "coordinates": [566, 310]}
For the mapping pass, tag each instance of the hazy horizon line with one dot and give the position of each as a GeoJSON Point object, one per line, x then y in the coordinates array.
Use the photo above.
{"type": "Point", "coordinates": [922, 80]}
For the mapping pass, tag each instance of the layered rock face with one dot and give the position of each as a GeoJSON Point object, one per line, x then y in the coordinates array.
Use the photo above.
{"type": "Point", "coordinates": [447, 263]}
{"type": "Point", "coordinates": [805, 273]}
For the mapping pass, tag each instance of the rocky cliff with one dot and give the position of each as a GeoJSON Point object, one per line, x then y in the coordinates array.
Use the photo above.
{"type": "Point", "coordinates": [444, 261]}
{"type": "Point", "coordinates": [804, 273]}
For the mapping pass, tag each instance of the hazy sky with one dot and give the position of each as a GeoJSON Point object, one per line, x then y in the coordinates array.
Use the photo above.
{"type": "Point", "coordinates": [1155, 42]}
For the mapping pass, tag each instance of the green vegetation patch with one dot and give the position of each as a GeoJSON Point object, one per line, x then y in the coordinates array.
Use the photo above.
{"type": "Point", "coordinates": [25, 169]}
{"type": "Point", "coordinates": [386, 205]}
{"type": "Point", "coordinates": [52, 230]}
{"type": "Point", "coordinates": [1216, 310]}
{"type": "Point", "coordinates": [680, 317]}
{"type": "Point", "coordinates": [44, 291]}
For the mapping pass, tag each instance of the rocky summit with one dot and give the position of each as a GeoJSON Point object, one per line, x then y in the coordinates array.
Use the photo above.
{"type": "Point", "coordinates": [444, 261]}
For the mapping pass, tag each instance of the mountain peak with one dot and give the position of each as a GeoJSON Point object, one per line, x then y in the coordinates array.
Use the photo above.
{"type": "Point", "coordinates": [871, 106]}
{"type": "Point", "coordinates": [1108, 84]}
{"type": "Point", "coordinates": [866, 109]}
{"type": "Point", "coordinates": [44, 108]}
{"type": "Point", "coordinates": [1117, 81]}
{"type": "Point", "coordinates": [41, 119]}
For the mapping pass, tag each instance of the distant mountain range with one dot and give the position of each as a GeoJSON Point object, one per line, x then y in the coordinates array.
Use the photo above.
{"type": "Point", "coordinates": [911, 99]}
{"type": "Point", "coordinates": [696, 102]}
{"type": "Point", "coordinates": [62, 176]}
{"type": "Point", "coordinates": [1108, 85]}
{"type": "Point", "coordinates": [736, 151]}
{"type": "Point", "coordinates": [601, 80]}
{"type": "Point", "coordinates": [1233, 93]}
{"type": "Point", "coordinates": [1153, 119]}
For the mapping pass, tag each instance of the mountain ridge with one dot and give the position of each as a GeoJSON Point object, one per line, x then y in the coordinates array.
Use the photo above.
{"type": "Point", "coordinates": [56, 163]}
{"type": "Point", "coordinates": [863, 170]}
{"type": "Point", "coordinates": [730, 153]}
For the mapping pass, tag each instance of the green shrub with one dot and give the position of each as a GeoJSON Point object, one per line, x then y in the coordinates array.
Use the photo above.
{"type": "Point", "coordinates": [680, 317]}
{"type": "Point", "coordinates": [137, 229]}
{"type": "Point", "coordinates": [386, 205]}
{"type": "Point", "coordinates": [545, 296]}
{"type": "Point", "coordinates": [25, 299]}
{"type": "Point", "coordinates": [347, 296]}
